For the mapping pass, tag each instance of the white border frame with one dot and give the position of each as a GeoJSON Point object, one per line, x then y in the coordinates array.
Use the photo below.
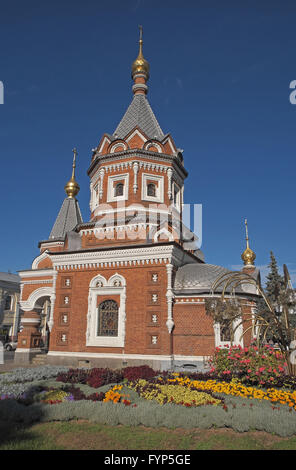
{"type": "Point", "coordinates": [110, 191]}
{"type": "Point", "coordinates": [106, 289]}
{"type": "Point", "coordinates": [159, 180]}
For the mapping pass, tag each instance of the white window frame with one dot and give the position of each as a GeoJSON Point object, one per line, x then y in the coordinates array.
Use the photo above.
{"type": "Point", "coordinates": [159, 187]}
{"type": "Point", "coordinates": [237, 340]}
{"type": "Point", "coordinates": [112, 184]}
{"type": "Point", "coordinates": [107, 289]}
{"type": "Point", "coordinates": [177, 205]}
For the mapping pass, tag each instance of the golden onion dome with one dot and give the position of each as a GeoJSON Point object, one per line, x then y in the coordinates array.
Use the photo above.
{"type": "Point", "coordinates": [248, 255]}
{"type": "Point", "coordinates": [140, 65]}
{"type": "Point", "coordinates": [72, 188]}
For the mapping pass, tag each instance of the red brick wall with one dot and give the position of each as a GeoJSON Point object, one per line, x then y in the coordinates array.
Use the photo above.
{"type": "Point", "coordinates": [138, 310]}
{"type": "Point", "coordinates": [193, 333]}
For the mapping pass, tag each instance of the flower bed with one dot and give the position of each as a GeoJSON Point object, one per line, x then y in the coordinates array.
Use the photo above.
{"type": "Point", "coordinates": [255, 366]}
{"type": "Point", "coordinates": [194, 400]}
{"type": "Point", "coordinates": [178, 394]}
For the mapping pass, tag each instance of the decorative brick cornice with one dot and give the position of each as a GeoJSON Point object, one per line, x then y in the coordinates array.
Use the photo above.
{"type": "Point", "coordinates": [159, 157]}
{"type": "Point", "coordinates": [117, 257]}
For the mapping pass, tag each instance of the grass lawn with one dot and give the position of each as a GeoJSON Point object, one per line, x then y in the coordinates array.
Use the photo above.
{"type": "Point", "coordinates": [83, 435]}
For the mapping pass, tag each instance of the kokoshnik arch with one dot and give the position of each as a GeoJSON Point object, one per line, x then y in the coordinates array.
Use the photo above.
{"type": "Point", "coordinates": [120, 290]}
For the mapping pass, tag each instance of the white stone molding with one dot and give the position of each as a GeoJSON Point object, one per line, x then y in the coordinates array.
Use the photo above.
{"type": "Point", "coordinates": [136, 169]}
{"type": "Point", "coordinates": [40, 258]}
{"type": "Point", "coordinates": [52, 301]}
{"type": "Point", "coordinates": [153, 144]}
{"type": "Point", "coordinates": [170, 144]}
{"type": "Point", "coordinates": [103, 143]}
{"type": "Point", "coordinates": [169, 175]}
{"type": "Point", "coordinates": [36, 273]}
{"type": "Point", "coordinates": [159, 187]}
{"type": "Point", "coordinates": [113, 355]}
{"type": "Point", "coordinates": [237, 340]}
{"type": "Point", "coordinates": [107, 289]}
{"type": "Point", "coordinates": [118, 145]}
{"type": "Point", "coordinates": [110, 191]}
{"type": "Point", "coordinates": [102, 172]}
{"type": "Point", "coordinates": [38, 281]}
{"type": "Point", "coordinates": [51, 244]}
{"type": "Point", "coordinates": [170, 297]}
{"type": "Point", "coordinates": [29, 304]}
{"type": "Point", "coordinates": [136, 132]}
{"type": "Point", "coordinates": [151, 255]}
{"type": "Point", "coordinates": [91, 196]}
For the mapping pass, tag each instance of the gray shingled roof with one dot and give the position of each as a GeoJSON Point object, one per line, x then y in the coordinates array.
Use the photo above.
{"type": "Point", "coordinates": [10, 277]}
{"type": "Point", "coordinates": [68, 217]}
{"type": "Point", "coordinates": [139, 113]}
{"type": "Point", "coordinates": [197, 278]}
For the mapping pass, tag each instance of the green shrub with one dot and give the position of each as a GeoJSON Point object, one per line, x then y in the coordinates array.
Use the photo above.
{"type": "Point", "coordinates": [253, 365]}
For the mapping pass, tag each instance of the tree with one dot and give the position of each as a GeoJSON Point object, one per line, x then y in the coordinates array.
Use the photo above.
{"type": "Point", "coordinates": [275, 282]}
{"type": "Point", "coordinates": [274, 319]}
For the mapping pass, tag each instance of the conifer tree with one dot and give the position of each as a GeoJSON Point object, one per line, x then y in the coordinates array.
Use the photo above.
{"type": "Point", "coordinates": [275, 282]}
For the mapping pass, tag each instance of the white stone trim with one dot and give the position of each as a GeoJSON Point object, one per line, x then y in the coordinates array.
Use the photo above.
{"type": "Point", "coordinates": [170, 297]}
{"type": "Point", "coordinates": [29, 304]}
{"type": "Point", "coordinates": [101, 182]}
{"type": "Point", "coordinates": [123, 356]}
{"type": "Point", "coordinates": [153, 144]}
{"type": "Point", "coordinates": [103, 143]}
{"type": "Point", "coordinates": [38, 281]}
{"type": "Point", "coordinates": [107, 289]}
{"type": "Point", "coordinates": [136, 170]}
{"type": "Point", "coordinates": [159, 190]}
{"type": "Point", "coordinates": [170, 174]}
{"type": "Point", "coordinates": [117, 145]}
{"type": "Point", "coordinates": [110, 355]}
{"type": "Point", "coordinates": [110, 191]}
{"type": "Point", "coordinates": [37, 273]}
{"type": "Point", "coordinates": [136, 132]}
{"type": "Point", "coordinates": [40, 258]}
{"type": "Point", "coordinates": [237, 340]}
{"type": "Point", "coordinates": [120, 257]}
{"type": "Point", "coordinates": [51, 244]}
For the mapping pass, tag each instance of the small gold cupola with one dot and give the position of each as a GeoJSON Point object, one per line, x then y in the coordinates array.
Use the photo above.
{"type": "Point", "coordinates": [72, 188]}
{"type": "Point", "coordinates": [248, 255]}
{"type": "Point", "coordinates": [140, 66]}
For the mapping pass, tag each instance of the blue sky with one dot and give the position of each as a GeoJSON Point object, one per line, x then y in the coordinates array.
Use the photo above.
{"type": "Point", "coordinates": [219, 82]}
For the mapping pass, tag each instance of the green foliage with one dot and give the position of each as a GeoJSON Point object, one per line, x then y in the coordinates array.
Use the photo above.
{"type": "Point", "coordinates": [241, 414]}
{"type": "Point", "coordinates": [274, 281]}
{"type": "Point", "coordinates": [253, 365]}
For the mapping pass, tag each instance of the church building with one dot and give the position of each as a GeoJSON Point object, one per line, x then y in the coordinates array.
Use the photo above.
{"type": "Point", "coordinates": [128, 286]}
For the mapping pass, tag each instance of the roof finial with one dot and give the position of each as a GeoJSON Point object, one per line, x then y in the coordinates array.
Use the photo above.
{"type": "Point", "coordinates": [74, 162]}
{"type": "Point", "coordinates": [140, 68]}
{"type": "Point", "coordinates": [247, 235]}
{"type": "Point", "coordinates": [72, 187]}
{"type": "Point", "coordinates": [248, 255]}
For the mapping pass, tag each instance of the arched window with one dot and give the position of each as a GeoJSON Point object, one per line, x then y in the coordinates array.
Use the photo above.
{"type": "Point", "coordinates": [151, 190]}
{"type": "Point", "coordinates": [225, 332]}
{"type": "Point", "coordinates": [108, 318]}
{"type": "Point", "coordinates": [118, 190]}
